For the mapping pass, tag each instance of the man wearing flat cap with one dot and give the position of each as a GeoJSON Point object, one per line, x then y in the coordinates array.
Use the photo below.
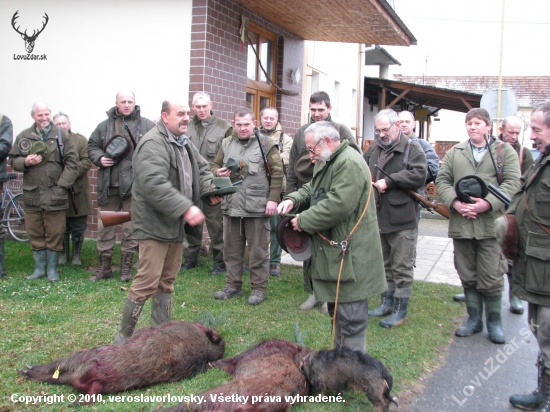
{"type": "Point", "coordinates": [47, 178]}
{"type": "Point", "coordinates": [477, 255]}
{"type": "Point", "coordinates": [169, 177]}
{"type": "Point", "coordinates": [339, 213]}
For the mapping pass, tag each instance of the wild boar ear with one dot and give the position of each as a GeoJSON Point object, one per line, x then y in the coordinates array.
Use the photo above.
{"type": "Point", "coordinates": [228, 365]}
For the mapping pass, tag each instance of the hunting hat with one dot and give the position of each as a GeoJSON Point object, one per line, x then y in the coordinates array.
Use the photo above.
{"type": "Point", "coordinates": [42, 149]}
{"type": "Point", "coordinates": [238, 166]}
{"type": "Point", "coordinates": [506, 232]}
{"type": "Point", "coordinates": [298, 244]}
{"type": "Point", "coordinates": [303, 168]}
{"type": "Point", "coordinates": [117, 147]}
{"type": "Point", "coordinates": [470, 186]}
{"type": "Point", "coordinates": [221, 186]}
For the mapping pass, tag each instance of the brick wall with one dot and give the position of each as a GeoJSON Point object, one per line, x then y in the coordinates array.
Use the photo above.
{"type": "Point", "coordinates": [218, 66]}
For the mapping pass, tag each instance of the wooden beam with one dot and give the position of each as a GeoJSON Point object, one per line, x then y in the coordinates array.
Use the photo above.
{"type": "Point", "coordinates": [383, 102]}
{"type": "Point", "coordinates": [403, 93]}
{"type": "Point", "coordinates": [466, 103]}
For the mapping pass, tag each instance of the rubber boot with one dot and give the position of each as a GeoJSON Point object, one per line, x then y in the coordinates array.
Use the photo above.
{"type": "Point", "coordinates": [474, 307]}
{"type": "Point", "coordinates": [2, 267]}
{"type": "Point", "coordinates": [310, 303]}
{"type": "Point", "coordinates": [130, 316]}
{"type": "Point", "coordinates": [459, 297]}
{"type": "Point", "coordinates": [357, 342]}
{"type": "Point", "coordinates": [386, 305]}
{"type": "Point", "coordinates": [39, 265]}
{"type": "Point", "coordinates": [515, 303]}
{"type": "Point", "coordinates": [161, 308]}
{"type": "Point", "coordinates": [544, 406]}
{"type": "Point", "coordinates": [493, 318]}
{"type": "Point", "coordinates": [126, 268]}
{"type": "Point", "coordinates": [52, 258]}
{"type": "Point", "coordinates": [399, 314]}
{"type": "Point", "coordinates": [64, 257]}
{"type": "Point", "coordinates": [78, 241]}
{"type": "Point", "coordinates": [104, 270]}
{"type": "Point", "coordinates": [533, 400]}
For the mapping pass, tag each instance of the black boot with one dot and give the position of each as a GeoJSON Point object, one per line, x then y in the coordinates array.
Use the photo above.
{"type": "Point", "coordinates": [474, 307]}
{"type": "Point", "coordinates": [78, 241]}
{"type": "Point", "coordinates": [399, 314]}
{"type": "Point", "coordinates": [386, 304]}
{"type": "Point", "coordinates": [64, 257]}
{"type": "Point", "coordinates": [533, 400]}
{"type": "Point", "coordinates": [515, 303]}
{"type": "Point", "coordinates": [39, 265]}
{"type": "Point", "coordinates": [126, 267]}
{"type": "Point", "coordinates": [130, 316]}
{"type": "Point", "coordinates": [2, 267]}
{"type": "Point", "coordinates": [52, 258]}
{"type": "Point", "coordinates": [544, 405]}
{"type": "Point", "coordinates": [161, 308]}
{"type": "Point", "coordinates": [493, 318]}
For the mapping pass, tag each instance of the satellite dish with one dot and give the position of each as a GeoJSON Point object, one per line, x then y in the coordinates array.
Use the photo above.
{"type": "Point", "coordinates": [508, 104]}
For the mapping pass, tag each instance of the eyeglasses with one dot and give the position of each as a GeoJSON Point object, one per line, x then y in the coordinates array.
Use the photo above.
{"type": "Point", "coordinates": [312, 150]}
{"type": "Point", "coordinates": [384, 130]}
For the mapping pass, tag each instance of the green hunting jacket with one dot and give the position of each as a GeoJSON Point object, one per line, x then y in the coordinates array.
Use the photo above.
{"type": "Point", "coordinates": [531, 276]}
{"type": "Point", "coordinates": [158, 203]}
{"type": "Point", "coordinates": [207, 135]}
{"type": "Point", "coordinates": [46, 186]}
{"type": "Point", "coordinates": [458, 163]}
{"type": "Point", "coordinates": [82, 189]}
{"type": "Point", "coordinates": [332, 204]}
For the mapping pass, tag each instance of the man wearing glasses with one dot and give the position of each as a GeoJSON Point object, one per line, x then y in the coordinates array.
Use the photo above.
{"type": "Point", "coordinates": [405, 163]}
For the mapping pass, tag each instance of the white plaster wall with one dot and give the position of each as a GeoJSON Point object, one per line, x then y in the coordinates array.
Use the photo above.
{"type": "Point", "coordinates": [335, 62]}
{"type": "Point", "coordinates": [94, 49]}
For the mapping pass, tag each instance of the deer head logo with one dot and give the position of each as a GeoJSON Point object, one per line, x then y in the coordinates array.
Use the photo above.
{"type": "Point", "coordinates": [29, 40]}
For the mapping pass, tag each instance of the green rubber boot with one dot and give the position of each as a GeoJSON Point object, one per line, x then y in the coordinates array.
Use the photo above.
{"type": "Point", "coordinates": [474, 307]}
{"type": "Point", "coordinates": [130, 316]}
{"type": "Point", "coordinates": [53, 260]}
{"type": "Point", "coordinates": [533, 400]}
{"type": "Point", "coordinates": [39, 265]}
{"type": "Point", "coordinates": [493, 318]}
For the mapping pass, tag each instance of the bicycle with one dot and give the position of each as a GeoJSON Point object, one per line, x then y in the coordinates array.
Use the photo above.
{"type": "Point", "coordinates": [14, 214]}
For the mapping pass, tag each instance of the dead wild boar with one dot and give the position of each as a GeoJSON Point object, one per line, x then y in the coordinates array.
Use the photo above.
{"type": "Point", "coordinates": [269, 370]}
{"type": "Point", "coordinates": [170, 352]}
{"type": "Point", "coordinates": [344, 369]}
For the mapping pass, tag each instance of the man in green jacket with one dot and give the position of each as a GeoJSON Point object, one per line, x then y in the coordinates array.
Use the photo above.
{"type": "Point", "coordinates": [46, 184]}
{"type": "Point", "coordinates": [76, 219]}
{"type": "Point", "coordinates": [207, 131]}
{"type": "Point", "coordinates": [531, 279]}
{"type": "Point", "coordinates": [169, 177]}
{"type": "Point", "coordinates": [114, 181]}
{"type": "Point", "coordinates": [338, 209]}
{"type": "Point", "coordinates": [246, 212]}
{"type": "Point", "coordinates": [405, 163]}
{"type": "Point", "coordinates": [478, 258]}
{"type": "Point", "coordinates": [319, 108]}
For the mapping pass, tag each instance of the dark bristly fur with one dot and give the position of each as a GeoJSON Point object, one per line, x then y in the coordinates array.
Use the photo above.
{"type": "Point", "coordinates": [167, 353]}
{"type": "Point", "coordinates": [270, 367]}
{"type": "Point", "coordinates": [344, 369]}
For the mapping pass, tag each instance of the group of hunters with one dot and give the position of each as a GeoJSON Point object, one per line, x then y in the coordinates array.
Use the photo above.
{"type": "Point", "coordinates": [247, 180]}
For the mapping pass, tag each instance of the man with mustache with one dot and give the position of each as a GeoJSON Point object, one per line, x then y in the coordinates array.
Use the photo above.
{"type": "Point", "coordinates": [169, 177]}
{"type": "Point", "coordinates": [114, 181]}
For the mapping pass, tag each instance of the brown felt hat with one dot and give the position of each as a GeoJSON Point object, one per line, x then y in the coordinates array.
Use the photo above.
{"type": "Point", "coordinates": [506, 232]}
{"type": "Point", "coordinates": [303, 168]}
{"type": "Point", "coordinates": [298, 244]}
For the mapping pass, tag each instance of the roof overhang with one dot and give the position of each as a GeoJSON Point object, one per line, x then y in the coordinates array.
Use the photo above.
{"type": "Point", "coordinates": [387, 93]}
{"type": "Point", "coordinates": [379, 56]}
{"type": "Point", "coordinates": [348, 21]}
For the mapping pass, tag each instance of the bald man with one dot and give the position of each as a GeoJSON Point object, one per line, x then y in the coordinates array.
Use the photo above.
{"type": "Point", "coordinates": [114, 180]}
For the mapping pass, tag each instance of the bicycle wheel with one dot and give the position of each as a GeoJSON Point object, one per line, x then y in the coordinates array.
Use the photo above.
{"type": "Point", "coordinates": [14, 216]}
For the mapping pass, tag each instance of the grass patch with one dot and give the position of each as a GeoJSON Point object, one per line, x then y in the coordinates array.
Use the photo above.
{"type": "Point", "coordinates": [41, 321]}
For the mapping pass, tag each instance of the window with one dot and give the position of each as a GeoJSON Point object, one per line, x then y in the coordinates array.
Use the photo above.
{"type": "Point", "coordinates": [260, 93]}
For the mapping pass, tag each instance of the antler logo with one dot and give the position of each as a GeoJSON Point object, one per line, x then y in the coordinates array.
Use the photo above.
{"type": "Point", "coordinates": [29, 40]}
